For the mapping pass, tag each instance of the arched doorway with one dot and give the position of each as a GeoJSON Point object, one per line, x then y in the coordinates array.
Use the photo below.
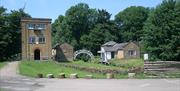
{"type": "Point", "coordinates": [37, 54]}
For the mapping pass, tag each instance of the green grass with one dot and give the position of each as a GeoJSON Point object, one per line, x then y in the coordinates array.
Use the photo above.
{"type": "Point", "coordinates": [2, 89]}
{"type": "Point", "coordinates": [92, 65]}
{"type": "Point", "coordinates": [32, 68]}
{"type": "Point", "coordinates": [114, 64]}
{"type": "Point", "coordinates": [2, 64]}
{"type": "Point", "coordinates": [173, 74]}
{"type": "Point", "coordinates": [127, 63]}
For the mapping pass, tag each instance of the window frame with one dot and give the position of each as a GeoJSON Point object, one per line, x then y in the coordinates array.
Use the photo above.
{"type": "Point", "coordinates": [43, 40]}
{"type": "Point", "coordinates": [31, 26]}
{"type": "Point", "coordinates": [32, 40]}
{"type": "Point", "coordinates": [40, 26]}
{"type": "Point", "coordinates": [132, 52]}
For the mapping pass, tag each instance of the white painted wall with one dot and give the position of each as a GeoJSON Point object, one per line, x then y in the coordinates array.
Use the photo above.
{"type": "Point", "coordinates": [102, 49]}
{"type": "Point", "coordinates": [108, 54]}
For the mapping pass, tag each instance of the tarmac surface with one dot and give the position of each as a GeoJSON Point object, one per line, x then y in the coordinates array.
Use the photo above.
{"type": "Point", "coordinates": [10, 80]}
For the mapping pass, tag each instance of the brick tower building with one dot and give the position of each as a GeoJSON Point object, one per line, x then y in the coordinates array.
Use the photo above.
{"type": "Point", "coordinates": [36, 38]}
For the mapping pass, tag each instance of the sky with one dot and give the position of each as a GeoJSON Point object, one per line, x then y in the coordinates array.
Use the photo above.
{"type": "Point", "coordinates": [53, 8]}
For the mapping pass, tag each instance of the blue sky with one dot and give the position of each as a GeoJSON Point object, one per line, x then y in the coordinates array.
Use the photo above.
{"type": "Point", "coordinates": [54, 8]}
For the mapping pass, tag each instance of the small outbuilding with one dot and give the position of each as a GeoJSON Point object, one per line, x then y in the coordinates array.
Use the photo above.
{"type": "Point", "coordinates": [112, 50]}
{"type": "Point", "coordinates": [63, 52]}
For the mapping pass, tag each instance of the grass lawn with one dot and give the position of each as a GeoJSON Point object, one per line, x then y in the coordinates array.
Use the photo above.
{"type": "Point", "coordinates": [91, 65]}
{"type": "Point", "coordinates": [114, 64]}
{"type": "Point", "coordinates": [127, 63]}
{"type": "Point", "coordinates": [1, 89]}
{"type": "Point", "coordinates": [2, 64]}
{"type": "Point", "coordinates": [32, 68]}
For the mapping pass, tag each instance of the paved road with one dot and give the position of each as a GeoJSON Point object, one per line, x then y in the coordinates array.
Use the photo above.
{"type": "Point", "coordinates": [11, 81]}
{"type": "Point", "coordinates": [111, 85]}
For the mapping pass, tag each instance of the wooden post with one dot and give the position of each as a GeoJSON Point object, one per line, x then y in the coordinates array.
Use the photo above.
{"type": "Point", "coordinates": [39, 75]}
{"type": "Point", "coordinates": [50, 76]}
{"type": "Point", "coordinates": [109, 76]}
{"type": "Point", "coordinates": [74, 76]}
{"type": "Point", "coordinates": [62, 75]}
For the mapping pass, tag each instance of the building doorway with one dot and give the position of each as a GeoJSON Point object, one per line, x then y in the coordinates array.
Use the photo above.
{"type": "Point", "coordinates": [37, 54]}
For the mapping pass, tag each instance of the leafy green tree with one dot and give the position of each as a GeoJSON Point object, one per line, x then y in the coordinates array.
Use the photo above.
{"type": "Point", "coordinates": [104, 31]}
{"type": "Point", "coordinates": [103, 16]}
{"type": "Point", "coordinates": [86, 28]}
{"type": "Point", "coordinates": [10, 40]}
{"type": "Point", "coordinates": [98, 36]}
{"type": "Point", "coordinates": [5, 36]}
{"type": "Point", "coordinates": [162, 32]}
{"type": "Point", "coordinates": [130, 22]}
{"type": "Point", "coordinates": [56, 30]}
{"type": "Point", "coordinates": [14, 19]}
{"type": "Point", "coordinates": [77, 21]}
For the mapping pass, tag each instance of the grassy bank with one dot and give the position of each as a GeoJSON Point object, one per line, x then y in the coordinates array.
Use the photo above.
{"type": "Point", "coordinates": [127, 63]}
{"type": "Point", "coordinates": [123, 64]}
{"type": "Point", "coordinates": [2, 64]}
{"type": "Point", "coordinates": [32, 68]}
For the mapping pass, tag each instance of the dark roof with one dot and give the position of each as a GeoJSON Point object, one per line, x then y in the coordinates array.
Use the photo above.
{"type": "Point", "coordinates": [120, 45]}
{"type": "Point", "coordinates": [110, 43]}
{"type": "Point", "coordinates": [27, 19]}
{"type": "Point", "coordinates": [113, 46]}
{"type": "Point", "coordinates": [110, 49]}
{"type": "Point", "coordinates": [57, 45]}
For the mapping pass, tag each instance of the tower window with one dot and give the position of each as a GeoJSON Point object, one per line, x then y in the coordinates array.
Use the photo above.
{"type": "Point", "coordinates": [32, 39]}
{"type": "Point", "coordinates": [31, 26]}
{"type": "Point", "coordinates": [40, 26]}
{"type": "Point", "coordinates": [41, 40]}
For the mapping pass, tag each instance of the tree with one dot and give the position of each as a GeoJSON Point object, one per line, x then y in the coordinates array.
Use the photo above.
{"type": "Point", "coordinates": [161, 37]}
{"type": "Point", "coordinates": [5, 36]}
{"type": "Point", "coordinates": [77, 21]}
{"type": "Point", "coordinates": [98, 36]}
{"type": "Point", "coordinates": [130, 22]}
{"type": "Point", "coordinates": [10, 42]}
{"type": "Point", "coordinates": [56, 30]}
{"type": "Point", "coordinates": [103, 16]}
{"type": "Point", "coordinates": [14, 19]}
{"type": "Point", "coordinates": [104, 31]}
{"type": "Point", "coordinates": [86, 28]}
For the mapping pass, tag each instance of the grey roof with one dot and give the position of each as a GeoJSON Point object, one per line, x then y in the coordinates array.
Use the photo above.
{"type": "Point", "coordinates": [58, 44]}
{"type": "Point", "coordinates": [120, 45]}
{"type": "Point", "coordinates": [110, 43]}
{"type": "Point", "coordinates": [54, 47]}
{"type": "Point", "coordinates": [114, 46]}
{"type": "Point", "coordinates": [109, 49]}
